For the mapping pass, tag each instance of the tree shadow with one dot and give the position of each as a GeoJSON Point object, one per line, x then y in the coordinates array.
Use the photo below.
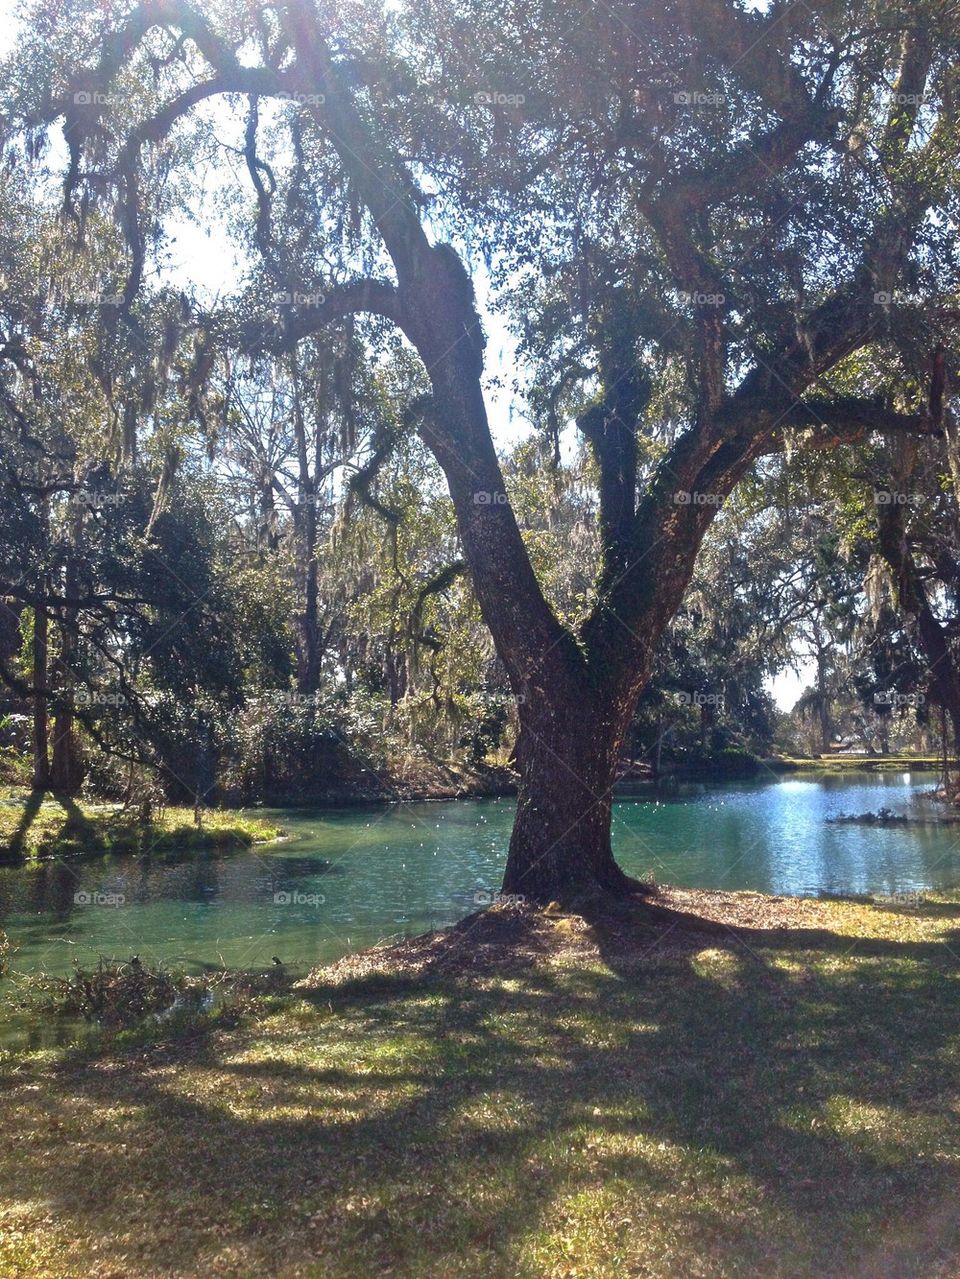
{"type": "Point", "coordinates": [78, 823]}
{"type": "Point", "coordinates": [15, 849]}
{"type": "Point", "coordinates": [75, 824]}
{"type": "Point", "coordinates": [773, 1102]}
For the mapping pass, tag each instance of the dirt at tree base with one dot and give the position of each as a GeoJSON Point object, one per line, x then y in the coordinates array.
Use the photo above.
{"type": "Point", "coordinates": [669, 919]}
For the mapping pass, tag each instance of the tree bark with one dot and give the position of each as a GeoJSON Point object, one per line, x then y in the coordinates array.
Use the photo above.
{"type": "Point", "coordinates": [560, 848]}
{"type": "Point", "coordinates": [41, 724]}
{"type": "Point", "coordinates": [66, 770]}
{"type": "Point", "coordinates": [308, 648]}
{"type": "Point", "coordinates": [308, 636]}
{"type": "Point", "coordinates": [942, 665]}
{"type": "Point", "coordinates": [658, 754]}
{"type": "Point", "coordinates": [823, 703]}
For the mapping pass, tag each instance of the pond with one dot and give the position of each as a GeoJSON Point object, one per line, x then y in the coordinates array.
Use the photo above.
{"type": "Point", "coordinates": [346, 879]}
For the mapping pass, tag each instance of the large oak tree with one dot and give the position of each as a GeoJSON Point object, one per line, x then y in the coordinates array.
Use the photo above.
{"type": "Point", "coordinates": [704, 210]}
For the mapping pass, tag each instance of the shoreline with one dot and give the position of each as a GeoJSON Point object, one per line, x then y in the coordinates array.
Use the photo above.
{"type": "Point", "coordinates": [91, 826]}
{"type": "Point", "coordinates": [39, 827]}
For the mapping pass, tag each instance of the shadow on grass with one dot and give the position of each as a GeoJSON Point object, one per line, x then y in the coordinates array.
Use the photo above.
{"type": "Point", "coordinates": [15, 848]}
{"type": "Point", "coordinates": [766, 1103]}
{"type": "Point", "coordinates": [76, 827]}
{"type": "Point", "coordinates": [62, 828]}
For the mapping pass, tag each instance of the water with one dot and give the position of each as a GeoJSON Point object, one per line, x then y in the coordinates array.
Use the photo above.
{"type": "Point", "coordinates": [347, 879]}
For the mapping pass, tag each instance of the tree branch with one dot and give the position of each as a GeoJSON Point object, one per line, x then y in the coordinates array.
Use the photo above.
{"type": "Point", "coordinates": [849, 418]}
{"type": "Point", "coordinates": [374, 297]}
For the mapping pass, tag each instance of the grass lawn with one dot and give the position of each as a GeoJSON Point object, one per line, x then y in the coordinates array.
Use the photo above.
{"type": "Point", "coordinates": [857, 763]}
{"type": "Point", "coordinates": [528, 1094]}
{"type": "Point", "coordinates": [32, 825]}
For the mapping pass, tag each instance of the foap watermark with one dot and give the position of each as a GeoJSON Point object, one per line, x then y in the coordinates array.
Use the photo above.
{"type": "Point", "coordinates": [698, 98]}
{"type": "Point", "coordinates": [303, 99]}
{"type": "Point", "coordinates": [686, 497]}
{"type": "Point", "coordinates": [907, 99]}
{"type": "Point", "coordinates": [293, 697]}
{"type": "Point", "coordinates": [890, 697]}
{"type": "Point", "coordinates": [94, 499]}
{"type": "Point", "coordinates": [489, 897]}
{"type": "Point", "coordinates": [295, 898]}
{"type": "Point", "coordinates": [912, 899]}
{"type": "Point", "coordinates": [889, 497]}
{"type": "Point", "coordinates": [485, 498]}
{"type": "Point", "coordinates": [701, 299]}
{"type": "Point", "coordinates": [95, 297]}
{"type": "Point", "coordinates": [97, 697]}
{"type": "Point", "coordinates": [699, 698]}
{"type": "Point", "coordinates": [93, 98]}
{"type": "Point", "coordinates": [286, 297]}
{"type": "Point", "coordinates": [85, 897]}
{"type": "Point", "coordinates": [896, 297]}
{"type": "Point", "coordinates": [494, 98]}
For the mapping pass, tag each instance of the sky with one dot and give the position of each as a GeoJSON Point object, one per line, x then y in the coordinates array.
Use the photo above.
{"type": "Point", "coordinates": [203, 257]}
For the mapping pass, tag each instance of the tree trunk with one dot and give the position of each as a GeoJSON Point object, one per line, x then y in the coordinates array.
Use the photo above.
{"type": "Point", "coordinates": [66, 771]}
{"type": "Point", "coordinates": [560, 847]}
{"type": "Point", "coordinates": [930, 635]}
{"type": "Point", "coordinates": [945, 747]}
{"type": "Point", "coordinates": [308, 649]}
{"type": "Point", "coordinates": [708, 721]}
{"type": "Point", "coordinates": [308, 631]}
{"type": "Point", "coordinates": [41, 761]}
{"type": "Point", "coordinates": [823, 704]}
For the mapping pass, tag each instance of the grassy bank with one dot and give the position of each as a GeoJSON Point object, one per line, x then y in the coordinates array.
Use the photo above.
{"type": "Point", "coordinates": [32, 825]}
{"type": "Point", "coordinates": [529, 1095]}
{"type": "Point", "coordinates": [856, 763]}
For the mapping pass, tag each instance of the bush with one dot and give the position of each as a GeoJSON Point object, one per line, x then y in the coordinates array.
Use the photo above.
{"type": "Point", "coordinates": [291, 746]}
{"type": "Point", "coordinates": [15, 758]}
{"type": "Point", "coordinates": [118, 995]}
{"type": "Point", "coordinates": [724, 762]}
{"type": "Point", "coordinates": [733, 761]}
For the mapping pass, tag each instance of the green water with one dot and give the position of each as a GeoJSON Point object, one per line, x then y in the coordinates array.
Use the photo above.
{"type": "Point", "coordinates": [347, 879]}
